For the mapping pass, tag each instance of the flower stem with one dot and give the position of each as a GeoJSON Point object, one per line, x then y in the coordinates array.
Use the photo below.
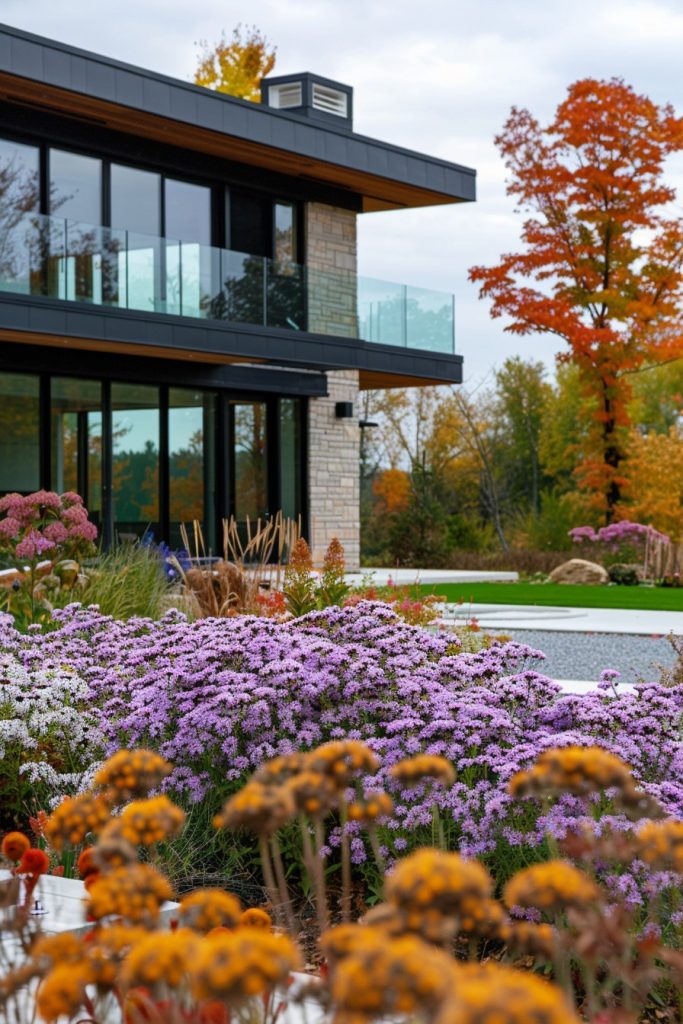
{"type": "Point", "coordinates": [345, 863]}
{"type": "Point", "coordinates": [269, 879]}
{"type": "Point", "coordinates": [282, 885]}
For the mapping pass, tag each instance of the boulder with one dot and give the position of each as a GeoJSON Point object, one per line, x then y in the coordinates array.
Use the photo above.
{"type": "Point", "coordinates": [578, 570]}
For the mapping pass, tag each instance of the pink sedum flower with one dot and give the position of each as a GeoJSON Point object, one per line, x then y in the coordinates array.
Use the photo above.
{"type": "Point", "coordinates": [56, 531]}
{"type": "Point", "coordinates": [33, 546]}
{"type": "Point", "coordinates": [9, 527]}
{"type": "Point", "coordinates": [83, 531]}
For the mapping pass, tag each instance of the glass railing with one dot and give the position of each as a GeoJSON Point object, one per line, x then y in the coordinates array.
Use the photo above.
{"type": "Point", "coordinates": [69, 260]}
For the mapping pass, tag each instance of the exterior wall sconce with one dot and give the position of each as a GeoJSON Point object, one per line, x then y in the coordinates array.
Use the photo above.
{"type": "Point", "coordinates": [343, 410]}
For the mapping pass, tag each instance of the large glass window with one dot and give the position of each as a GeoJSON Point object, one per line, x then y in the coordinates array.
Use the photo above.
{"type": "Point", "coordinates": [191, 462]}
{"type": "Point", "coordinates": [135, 200]}
{"type": "Point", "coordinates": [284, 248]}
{"type": "Point", "coordinates": [290, 457]}
{"type": "Point", "coordinates": [135, 462]}
{"type": "Point", "coordinates": [189, 273]}
{"type": "Point", "coordinates": [136, 214]}
{"type": "Point", "coordinates": [76, 440]}
{"type": "Point", "coordinates": [76, 241]}
{"type": "Point", "coordinates": [249, 460]}
{"type": "Point", "coordinates": [75, 186]}
{"type": "Point", "coordinates": [19, 432]}
{"type": "Point", "coordinates": [20, 262]}
{"type": "Point", "coordinates": [188, 211]}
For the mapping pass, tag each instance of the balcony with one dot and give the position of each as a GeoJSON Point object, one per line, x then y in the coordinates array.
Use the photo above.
{"type": "Point", "coordinates": [108, 267]}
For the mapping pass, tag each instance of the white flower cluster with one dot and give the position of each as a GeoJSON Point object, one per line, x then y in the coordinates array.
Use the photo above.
{"type": "Point", "coordinates": [46, 711]}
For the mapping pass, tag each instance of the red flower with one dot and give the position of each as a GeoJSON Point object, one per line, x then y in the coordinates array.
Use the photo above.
{"type": "Point", "coordinates": [85, 863]}
{"type": "Point", "coordinates": [15, 845]}
{"type": "Point", "coordinates": [33, 862]}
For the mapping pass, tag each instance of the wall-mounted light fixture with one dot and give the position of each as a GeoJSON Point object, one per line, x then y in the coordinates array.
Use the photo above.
{"type": "Point", "coordinates": [363, 424]}
{"type": "Point", "coordinates": [343, 410]}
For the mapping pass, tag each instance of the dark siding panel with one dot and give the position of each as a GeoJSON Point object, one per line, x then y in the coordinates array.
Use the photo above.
{"type": "Point", "coordinates": [27, 59]}
{"type": "Point", "coordinates": [129, 89]}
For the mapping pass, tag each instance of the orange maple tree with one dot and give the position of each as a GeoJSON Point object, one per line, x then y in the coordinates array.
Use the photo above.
{"type": "Point", "coordinates": [601, 265]}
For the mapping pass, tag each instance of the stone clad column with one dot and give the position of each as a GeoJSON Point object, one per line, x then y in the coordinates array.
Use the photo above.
{"type": "Point", "coordinates": [334, 444]}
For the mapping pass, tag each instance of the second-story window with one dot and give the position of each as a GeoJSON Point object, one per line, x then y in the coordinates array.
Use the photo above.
{"type": "Point", "coordinates": [75, 187]}
{"type": "Point", "coordinates": [135, 200]}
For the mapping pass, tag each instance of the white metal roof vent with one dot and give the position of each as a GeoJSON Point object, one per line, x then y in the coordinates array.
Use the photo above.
{"type": "Point", "coordinates": [289, 94]}
{"type": "Point", "coordinates": [311, 96]}
{"type": "Point", "coordinates": [332, 101]}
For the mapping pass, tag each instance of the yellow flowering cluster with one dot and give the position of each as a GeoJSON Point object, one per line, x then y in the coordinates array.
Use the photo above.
{"type": "Point", "coordinates": [433, 880]}
{"type": "Point", "coordinates": [338, 942]}
{"type": "Point", "coordinates": [234, 966]}
{"type": "Point", "coordinates": [313, 793]}
{"type": "Point", "coordinates": [490, 994]}
{"type": "Point", "coordinates": [575, 770]}
{"type": "Point", "coordinates": [145, 822]}
{"type": "Point", "coordinates": [75, 818]}
{"type": "Point", "coordinates": [134, 893]}
{"type": "Point", "coordinates": [254, 917]}
{"type": "Point", "coordinates": [48, 950]}
{"type": "Point", "coordinates": [552, 887]}
{"type": "Point", "coordinates": [382, 977]}
{"type": "Point", "coordinates": [484, 918]}
{"type": "Point", "coordinates": [343, 760]}
{"type": "Point", "coordinates": [261, 809]}
{"type": "Point", "coordinates": [62, 992]}
{"type": "Point", "coordinates": [280, 769]}
{"type": "Point", "coordinates": [112, 850]}
{"type": "Point", "coordinates": [660, 844]}
{"type": "Point", "coordinates": [205, 909]}
{"type": "Point", "coordinates": [161, 957]}
{"type": "Point", "coordinates": [530, 939]}
{"type": "Point", "coordinates": [131, 774]}
{"type": "Point", "coordinates": [375, 805]}
{"type": "Point", "coordinates": [414, 770]}
{"type": "Point", "coordinates": [106, 949]}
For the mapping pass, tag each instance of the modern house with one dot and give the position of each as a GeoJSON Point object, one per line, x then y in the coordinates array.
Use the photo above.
{"type": "Point", "coordinates": [183, 334]}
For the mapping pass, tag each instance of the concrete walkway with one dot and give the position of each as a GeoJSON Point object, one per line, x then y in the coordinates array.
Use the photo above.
{"type": "Point", "coordinates": [409, 577]}
{"type": "Point", "coordinates": [635, 622]}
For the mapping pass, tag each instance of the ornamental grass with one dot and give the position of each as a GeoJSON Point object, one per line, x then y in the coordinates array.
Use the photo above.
{"type": "Point", "coordinates": [440, 949]}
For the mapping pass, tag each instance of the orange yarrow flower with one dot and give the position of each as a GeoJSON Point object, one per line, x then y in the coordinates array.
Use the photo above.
{"type": "Point", "coordinates": [14, 845]}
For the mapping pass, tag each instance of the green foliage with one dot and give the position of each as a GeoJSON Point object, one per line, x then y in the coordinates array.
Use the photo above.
{"type": "Point", "coordinates": [299, 587]}
{"type": "Point", "coordinates": [467, 533]}
{"type": "Point", "coordinates": [303, 591]}
{"type": "Point", "coordinates": [623, 574]}
{"type": "Point", "coordinates": [418, 534]}
{"type": "Point", "coordinates": [333, 588]}
{"type": "Point", "coordinates": [521, 397]}
{"type": "Point", "coordinates": [549, 529]}
{"type": "Point", "coordinates": [127, 581]}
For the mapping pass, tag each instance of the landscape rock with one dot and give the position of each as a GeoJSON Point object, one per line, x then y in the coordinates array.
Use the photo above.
{"type": "Point", "coordinates": [578, 570]}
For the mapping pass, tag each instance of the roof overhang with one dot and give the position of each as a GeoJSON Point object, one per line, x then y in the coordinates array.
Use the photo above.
{"type": "Point", "coordinates": [53, 323]}
{"type": "Point", "coordinates": [48, 75]}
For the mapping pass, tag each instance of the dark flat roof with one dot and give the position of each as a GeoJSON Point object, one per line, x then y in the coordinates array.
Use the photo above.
{"type": "Point", "coordinates": [44, 73]}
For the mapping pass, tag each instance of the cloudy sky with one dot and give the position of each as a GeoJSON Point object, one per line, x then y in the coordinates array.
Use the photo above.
{"type": "Point", "coordinates": [433, 75]}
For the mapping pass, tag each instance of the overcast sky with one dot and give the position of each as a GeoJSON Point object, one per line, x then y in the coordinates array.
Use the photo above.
{"type": "Point", "coordinates": [434, 75]}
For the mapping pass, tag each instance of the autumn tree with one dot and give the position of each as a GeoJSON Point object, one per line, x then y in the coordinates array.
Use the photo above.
{"type": "Point", "coordinates": [655, 488]}
{"type": "Point", "coordinates": [600, 265]}
{"type": "Point", "coordinates": [237, 64]}
{"type": "Point", "coordinates": [522, 393]}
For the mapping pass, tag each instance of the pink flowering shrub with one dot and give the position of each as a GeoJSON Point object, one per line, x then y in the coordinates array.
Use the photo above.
{"type": "Point", "coordinates": [43, 527]}
{"type": "Point", "coordinates": [620, 542]}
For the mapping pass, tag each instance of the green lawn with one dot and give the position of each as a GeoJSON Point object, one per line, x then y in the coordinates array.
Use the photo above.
{"type": "Point", "coordinates": [574, 596]}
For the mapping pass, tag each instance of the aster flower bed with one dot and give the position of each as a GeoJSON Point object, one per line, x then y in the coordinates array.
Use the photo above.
{"type": "Point", "coordinates": [218, 697]}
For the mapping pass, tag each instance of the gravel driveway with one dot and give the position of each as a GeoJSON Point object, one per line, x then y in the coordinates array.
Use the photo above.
{"type": "Point", "coordinates": [585, 655]}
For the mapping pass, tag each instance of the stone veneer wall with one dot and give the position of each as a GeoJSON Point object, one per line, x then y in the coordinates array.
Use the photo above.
{"type": "Point", "coordinates": [333, 444]}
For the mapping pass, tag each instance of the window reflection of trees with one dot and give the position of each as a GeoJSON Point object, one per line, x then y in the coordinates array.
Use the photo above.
{"type": "Point", "coordinates": [251, 485]}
